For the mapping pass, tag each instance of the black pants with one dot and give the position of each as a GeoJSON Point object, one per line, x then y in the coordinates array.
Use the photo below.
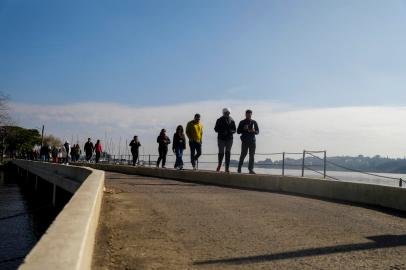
{"type": "Point", "coordinates": [88, 155]}
{"type": "Point", "coordinates": [97, 157]}
{"type": "Point", "coordinates": [135, 157]}
{"type": "Point", "coordinates": [224, 147]}
{"type": "Point", "coordinates": [195, 147]}
{"type": "Point", "coordinates": [245, 147]}
{"type": "Point", "coordinates": [163, 151]}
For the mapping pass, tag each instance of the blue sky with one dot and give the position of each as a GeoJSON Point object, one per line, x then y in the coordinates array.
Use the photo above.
{"type": "Point", "coordinates": [302, 53]}
{"type": "Point", "coordinates": [323, 75]}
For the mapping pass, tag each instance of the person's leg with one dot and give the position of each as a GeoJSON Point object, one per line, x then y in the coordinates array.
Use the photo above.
{"type": "Point", "coordinates": [244, 151]}
{"type": "Point", "coordinates": [180, 158]}
{"type": "Point", "coordinates": [252, 147]}
{"type": "Point", "coordinates": [192, 153]}
{"type": "Point", "coordinates": [164, 153]}
{"type": "Point", "coordinates": [136, 157]}
{"type": "Point", "coordinates": [229, 144]}
{"type": "Point", "coordinates": [198, 151]}
{"type": "Point", "coordinates": [221, 144]}
{"type": "Point", "coordinates": [160, 157]}
{"type": "Point", "coordinates": [177, 158]}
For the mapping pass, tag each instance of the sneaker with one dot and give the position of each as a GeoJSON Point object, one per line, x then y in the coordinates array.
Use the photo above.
{"type": "Point", "coordinates": [194, 167]}
{"type": "Point", "coordinates": [252, 172]}
{"type": "Point", "coordinates": [239, 170]}
{"type": "Point", "coordinates": [218, 168]}
{"type": "Point", "coordinates": [227, 171]}
{"type": "Point", "coordinates": [163, 167]}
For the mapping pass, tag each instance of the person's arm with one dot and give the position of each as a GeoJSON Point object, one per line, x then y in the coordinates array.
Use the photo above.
{"type": "Point", "coordinates": [174, 139]}
{"type": "Point", "coordinates": [217, 126]}
{"type": "Point", "coordinates": [131, 143]}
{"type": "Point", "coordinates": [201, 133]}
{"type": "Point", "coordinates": [240, 128]}
{"type": "Point", "coordinates": [256, 128]}
{"type": "Point", "coordinates": [168, 141]}
{"type": "Point", "coordinates": [188, 132]}
{"type": "Point", "coordinates": [157, 139]}
{"type": "Point", "coordinates": [233, 128]}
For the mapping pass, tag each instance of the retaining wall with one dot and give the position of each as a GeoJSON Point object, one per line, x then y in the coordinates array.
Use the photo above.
{"type": "Point", "coordinates": [68, 243]}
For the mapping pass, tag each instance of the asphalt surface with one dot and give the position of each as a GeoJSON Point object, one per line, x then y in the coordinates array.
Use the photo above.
{"type": "Point", "coordinates": [151, 223]}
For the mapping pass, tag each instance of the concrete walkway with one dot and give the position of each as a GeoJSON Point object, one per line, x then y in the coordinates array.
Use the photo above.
{"type": "Point", "coordinates": [150, 223]}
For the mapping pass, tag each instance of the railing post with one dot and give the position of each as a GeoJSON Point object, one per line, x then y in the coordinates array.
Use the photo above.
{"type": "Point", "coordinates": [283, 164]}
{"type": "Point", "coordinates": [149, 160]}
{"type": "Point", "coordinates": [325, 164]}
{"type": "Point", "coordinates": [54, 195]}
{"type": "Point", "coordinates": [303, 162]}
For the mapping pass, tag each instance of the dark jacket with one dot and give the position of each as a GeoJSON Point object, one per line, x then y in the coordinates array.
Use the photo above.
{"type": "Point", "coordinates": [179, 141]}
{"type": "Point", "coordinates": [247, 135]}
{"type": "Point", "coordinates": [225, 127]}
{"type": "Point", "coordinates": [163, 141]}
{"type": "Point", "coordinates": [134, 146]}
{"type": "Point", "coordinates": [88, 147]}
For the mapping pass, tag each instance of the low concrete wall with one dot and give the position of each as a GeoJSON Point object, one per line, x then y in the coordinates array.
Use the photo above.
{"type": "Point", "coordinates": [376, 195]}
{"type": "Point", "coordinates": [69, 241]}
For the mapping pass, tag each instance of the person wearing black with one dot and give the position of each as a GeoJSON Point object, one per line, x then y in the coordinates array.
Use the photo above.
{"type": "Point", "coordinates": [248, 128]}
{"type": "Point", "coordinates": [163, 142]}
{"type": "Point", "coordinates": [135, 145]}
{"type": "Point", "coordinates": [225, 128]}
{"type": "Point", "coordinates": [178, 145]}
{"type": "Point", "coordinates": [89, 148]}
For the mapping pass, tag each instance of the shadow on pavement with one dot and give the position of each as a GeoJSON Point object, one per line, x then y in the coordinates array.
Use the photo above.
{"type": "Point", "coordinates": [380, 241]}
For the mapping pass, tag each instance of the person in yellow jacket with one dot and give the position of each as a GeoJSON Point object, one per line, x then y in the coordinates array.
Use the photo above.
{"type": "Point", "coordinates": [194, 131]}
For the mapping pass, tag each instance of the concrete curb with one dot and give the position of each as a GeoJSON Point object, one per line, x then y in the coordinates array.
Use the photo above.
{"type": "Point", "coordinates": [374, 195]}
{"type": "Point", "coordinates": [69, 241]}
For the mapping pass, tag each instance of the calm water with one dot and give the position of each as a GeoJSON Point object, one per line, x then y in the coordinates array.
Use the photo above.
{"type": "Point", "coordinates": [24, 217]}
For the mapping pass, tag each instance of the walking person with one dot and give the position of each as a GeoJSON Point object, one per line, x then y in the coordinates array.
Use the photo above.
{"type": "Point", "coordinates": [98, 150]}
{"type": "Point", "coordinates": [225, 128]}
{"type": "Point", "coordinates": [163, 142]}
{"type": "Point", "coordinates": [67, 147]}
{"type": "Point", "coordinates": [135, 145]}
{"type": "Point", "coordinates": [194, 131]}
{"type": "Point", "coordinates": [78, 151]}
{"type": "Point", "coordinates": [248, 129]}
{"type": "Point", "coordinates": [178, 145]}
{"type": "Point", "coordinates": [88, 148]}
{"type": "Point", "coordinates": [72, 153]}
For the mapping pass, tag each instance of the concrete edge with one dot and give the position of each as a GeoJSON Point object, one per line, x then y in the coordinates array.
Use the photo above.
{"type": "Point", "coordinates": [367, 194]}
{"type": "Point", "coordinates": [69, 241]}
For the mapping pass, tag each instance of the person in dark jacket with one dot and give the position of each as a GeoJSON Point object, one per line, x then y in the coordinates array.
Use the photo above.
{"type": "Point", "coordinates": [135, 145]}
{"type": "Point", "coordinates": [178, 145]}
{"type": "Point", "coordinates": [88, 148]}
{"type": "Point", "coordinates": [163, 142]}
{"type": "Point", "coordinates": [248, 129]}
{"type": "Point", "coordinates": [225, 128]}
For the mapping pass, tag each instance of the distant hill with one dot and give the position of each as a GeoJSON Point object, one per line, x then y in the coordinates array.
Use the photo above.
{"type": "Point", "coordinates": [361, 163]}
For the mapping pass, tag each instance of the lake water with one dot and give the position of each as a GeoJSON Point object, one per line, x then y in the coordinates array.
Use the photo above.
{"type": "Point", "coordinates": [24, 217]}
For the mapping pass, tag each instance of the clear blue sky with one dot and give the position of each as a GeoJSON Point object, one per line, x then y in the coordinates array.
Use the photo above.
{"type": "Point", "coordinates": [306, 53]}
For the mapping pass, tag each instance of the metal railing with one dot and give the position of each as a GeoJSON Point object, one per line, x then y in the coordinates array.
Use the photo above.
{"type": "Point", "coordinates": [283, 161]}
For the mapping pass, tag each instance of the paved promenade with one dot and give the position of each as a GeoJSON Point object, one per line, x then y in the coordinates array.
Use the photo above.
{"type": "Point", "coordinates": [151, 223]}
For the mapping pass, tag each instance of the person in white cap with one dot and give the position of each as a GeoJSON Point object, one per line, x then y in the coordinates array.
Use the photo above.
{"type": "Point", "coordinates": [225, 128]}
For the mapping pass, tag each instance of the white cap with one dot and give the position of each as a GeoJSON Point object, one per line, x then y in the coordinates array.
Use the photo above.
{"type": "Point", "coordinates": [225, 110]}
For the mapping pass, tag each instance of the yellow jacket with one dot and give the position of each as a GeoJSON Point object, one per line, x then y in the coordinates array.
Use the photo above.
{"type": "Point", "coordinates": [194, 131]}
